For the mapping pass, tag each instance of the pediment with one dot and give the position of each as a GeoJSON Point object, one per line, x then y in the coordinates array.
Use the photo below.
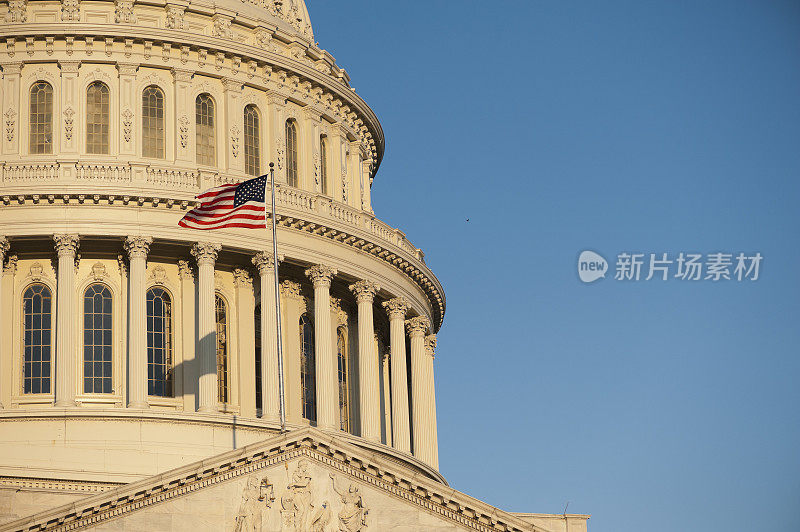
{"type": "Point", "coordinates": [305, 480]}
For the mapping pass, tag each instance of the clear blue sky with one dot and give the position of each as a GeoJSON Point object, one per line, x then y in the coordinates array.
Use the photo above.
{"type": "Point", "coordinates": [614, 126]}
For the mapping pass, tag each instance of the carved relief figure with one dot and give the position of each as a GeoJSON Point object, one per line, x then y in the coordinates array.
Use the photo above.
{"type": "Point", "coordinates": [297, 505]}
{"type": "Point", "coordinates": [255, 497]}
{"type": "Point", "coordinates": [353, 516]}
{"type": "Point", "coordinates": [321, 518]}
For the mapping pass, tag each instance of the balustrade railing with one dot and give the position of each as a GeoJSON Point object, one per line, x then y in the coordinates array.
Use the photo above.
{"type": "Point", "coordinates": [104, 172]}
{"type": "Point", "coordinates": [172, 178]}
{"type": "Point", "coordinates": [30, 171]}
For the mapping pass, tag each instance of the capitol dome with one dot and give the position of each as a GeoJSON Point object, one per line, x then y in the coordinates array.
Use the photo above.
{"type": "Point", "coordinates": [132, 349]}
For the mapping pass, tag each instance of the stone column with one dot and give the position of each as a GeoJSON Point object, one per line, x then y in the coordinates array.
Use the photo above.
{"type": "Point", "coordinates": [246, 336]}
{"type": "Point", "coordinates": [7, 326]}
{"type": "Point", "coordinates": [66, 247]}
{"type": "Point", "coordinates": [205, 253]}
{"type": "Point", "coordinates": [353, 175]}
{"type": "Point", "coordinates": [433, 449]}
{"type": "Point", "coordinates": [387, 406]}
{"type": "Point", "coordinates": [129, 102]}
{"type": "Point", "coordinates": [327, 389]}
{"type": "Point", "coordinates": [3, 250]}
{"type": "Point", "coordinates": [401, 432]}
{"type": "Point", "coordinates": [270, 399]}
{"type": "Point", "coordinates": [420, 394]}
{"type": "Point", "coordinates": [137, 248]}
{"type": "Point", "coordinates": [369, 379]}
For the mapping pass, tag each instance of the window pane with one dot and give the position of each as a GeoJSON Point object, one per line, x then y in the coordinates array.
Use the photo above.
{"type": "Point", "coordinates": [97, 118]}
{"type": "Point", "coordinates": [307, 368]}
{"type": "Point", "coordinates": [41, 118]}
{"type": "Point", "coordinates": [291, 153]}
{"type": "Point", "coordinates": [222, 349]}
{"type": "Point", "coordinates": [97, 339]}
{"type": "Point", "coordinates": [204, 122]}
{"type": "Point", "coordinates": [153, 122]}
{"type": "Point", "coordinates": [252, 152]}
{"type": "Point", "coordinates": [159, 342]}
{"type": "Point", "coordinates": [323, 164]}
{"type": "Point", "coordinates": [36, 335]}
{"type": "Point", "coordinates": [344, 405]}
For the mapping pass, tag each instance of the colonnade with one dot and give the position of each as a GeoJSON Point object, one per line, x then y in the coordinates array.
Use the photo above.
{"type": "Point", "coordinates": [413, 420]}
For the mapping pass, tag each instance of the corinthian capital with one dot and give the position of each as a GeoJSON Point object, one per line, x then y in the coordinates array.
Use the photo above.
{"type": "Point", "coordinates": [138, 246]}
{"type": "Point", "coordinates": [417, 326]}
{"type": "Point", "coordinates": [321, 275]}
{"type": "Point", "coordinates": [3, 247]}
{"type": "Point", "coordinates": [290, 289]}
{"type": "Point", "coordinates": [66, 245]}
{"type": "Point", "coordinates": [185, 270]}
{"type": "Point", "coordinates": [205, 252]}
{"type": "Point", "coordinates": [241, 277]}
{"type": "Point", "coordinates": [430, 344]}
{"type": "Point", "coordinates": [396, 308]}
{"type": "Point", "coordinates": [364, 291]}
{"type": "Point", "coordinates": [264, 261]}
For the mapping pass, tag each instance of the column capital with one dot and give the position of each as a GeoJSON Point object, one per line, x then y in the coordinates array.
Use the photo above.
{"type": "Point", "coordinates": [4, 246]}
{"type": "Point", "coordinates": [430, 345]}
{"type": "Point", "coordinates": [231, 84]}
{"type": "Point", "coordinates": [241, 277]}
{"type": "Point", "coordinates": [69, 67]}
{"type": "Point", "coordinates": [11, 68]}
{"type": "Point", "coordinates": [264, 262]}
{"type": "Point", "coordinates": [127, 69]}
{"type": "Point", "coordinates": [321, 275]}
{"type": "Point", "coordinates": [205, 252]}
{"type": "Point", "coordinates": [66, 244]}
{"type": "Point", "coordinates": [185, 270]}
{"type": "Point", "coordinates": [182, 74]}
{"type": "Point", "coordinates": [417, 326]}
{"type": "Point", "coordinates": [396, 308]}
{"type": "Point", "coordinates": [275, 98]}
{"type": "Point", "coordinates": [138, 246]}
{"type": "Point", "coordinates": [290, 289]}
{"type": "Point", "coordinates": [364, 290]}
{"type": "Point", "coordinates": [11, 265]}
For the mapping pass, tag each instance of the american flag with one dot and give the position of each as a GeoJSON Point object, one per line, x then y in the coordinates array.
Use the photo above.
{"type": "Point", "coordinates": [234, 205]}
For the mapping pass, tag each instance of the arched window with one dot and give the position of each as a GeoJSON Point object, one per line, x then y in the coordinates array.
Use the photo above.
{"type": "Point", "coordinates": [252, 136]}
{"type": "Point", "coordinates": [41, 118]}
{"type": "Point", "coordinates": [97, 118]}
{"type": "Point", "coordinates": [37, 334]}
{"type": "Point", "coordinates": [205, 135]}
{"type": "Point", "coordinates": [308, 372]}
{"type": "Point", "coordinates": [291, 153]}
{"type": "Point", "coordinates": [323, 163]}
{"type": "Point", "coordinates": [153, 123]}
{"type": "Point", "coordinates": [159, 342]}
{"type": "Point", "coordinates": [222, 348]}
{"type": "Point", "coordinates": [344, 403]}
{"type": "Point", "coordinates": [97, 339]}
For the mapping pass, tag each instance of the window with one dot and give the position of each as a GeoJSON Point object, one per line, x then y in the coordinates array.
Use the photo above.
{"type": "Point", "coordinates": [153, 123]}
{"type": "Point", "coordinates": [37, 333]}
{"type": "Point", "coordinates": [97, 118]}
{"type": "Point", "coordinates": [252, 152]}
{"type": "Point", "coordinates": [97, 340]}
{"type": "Point", "coordinates": [341, 349]}
{"type": "Point", "coordinates": [159, 342]}
{"type": "Point", "coordinates": [41, 118]}
{"type": "Point", "coordinates": [323, 163]}
{"type": "Point", "coordinates": [291, 153]}
{"type": "Point", "coordinates": [307, 368]}
{"type": "Point", "coordinates": [222, 349]}
{"type": "Point", "coordinates": [205, 136]}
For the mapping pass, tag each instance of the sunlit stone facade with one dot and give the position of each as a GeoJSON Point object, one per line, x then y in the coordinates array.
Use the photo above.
{"type": "Point", "coordinates": [130, 347]}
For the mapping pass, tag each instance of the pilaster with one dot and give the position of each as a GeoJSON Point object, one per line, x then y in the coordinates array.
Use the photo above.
{"type": "Point", "coordinates": [11, 107]}
{"type": "Point", "coordinates": [128, 108]}
{"type": "Point", "coordinates": [66, 321]}
{"type": "Point", "coordinates": [233, 126]}
{"type": "Point", "coordinates": [292, 307]}
{"type": "Point", "coordinates": [310, 179]}
{"type": "Point", "coordinates": [4, 317]}
{"type": "Point", "coordinates": [191, 375]}
{"type": "Point", "coordinates": [70, 107]}
{"type": "Point", "coordinates": [245, 314]}
{"type": "Point", "coordinates": [205, 253]}
{"type": "Point", "coordinates": [137, 248]}
{"type": "Point", "coordinates": [184, 116]}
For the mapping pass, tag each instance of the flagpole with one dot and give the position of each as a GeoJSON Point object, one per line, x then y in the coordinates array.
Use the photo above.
{"type": "Point", "coordinates": [277, 292]}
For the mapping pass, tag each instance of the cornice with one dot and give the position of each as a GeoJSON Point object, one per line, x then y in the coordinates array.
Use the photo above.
{"type": "Point", "coordinates": [309, 443]}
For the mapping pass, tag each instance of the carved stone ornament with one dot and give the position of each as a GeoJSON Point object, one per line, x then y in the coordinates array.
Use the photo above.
{"type": "Point", "coordinates": [123, 268]}
{"type": "Point", "coordinates": [264, 262]}
{"type": "Point", "coordinates": [4, 247]}
{"type": "Point", "coordinates": [11, 123]}
{"type": "Point", "coordinates": [17, 11]}
{"type": "Point", "coordinates": [242, 278]}
{"type": "Point", "coordinates": [185, 270]}
{"type": "Point", "coordinates": [235, 132]}
{"type": "Point", "coordinates": [99, 271]}
{"type": "Point", "coordinates": [66, 245]}
{"type": "Point", "coordinates": [316, 167]}
{"type": "Point", "coordinates": [396, 308]}
{"type": "Point", "coordinates": [69, 122]}
{"type": "Point", "coordinates": [127, 124]}
{"type": "Point", "coordinates": [279, 153]}
{"type": "Point", "coordinates": [344, 185]}
{"type": "Point", "coordinates": [205, 252]}
{"type": "Point", "coordinates": [159, 275]}
{"type": "Point", "coordinates": [297, 507]}
{"type": "Point", "coordinates": [290, 289]}
{"type": "Point", "coordinates": [175, 16]}
{"type": "Point", "coordinates": [417, 326]}
{"type": "Point", "coordinates": [364, 290]}
{"type": "Point", "coordinates": [11, 265]}
{"type": "Point", "coordinates": [256, 497]}
{"type": "Point", "coordinates": [36, 271]}
{"type": "Point", "coordinates": [321, 275]}
{"type": "Point", "coordinates": [123, 12]}
{"type": "Point", "coordinates": [353, 515]}
{"type": "Point", "coordinates": [138, 246]}
{"type": "Point", "coordinates": [264, 40]}
{"type": "Point", "coordinates": [430, 344]}
{"type": "Point", "coordinates": [70, 10]}
{"type": "Point", "coordinates": [183, 127]}
{"type": "Point", "coordinates": [222, 28]}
